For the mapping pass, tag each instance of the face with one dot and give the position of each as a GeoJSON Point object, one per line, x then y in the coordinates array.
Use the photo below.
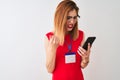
{"type": "Point", "coordinates": [71, 20]}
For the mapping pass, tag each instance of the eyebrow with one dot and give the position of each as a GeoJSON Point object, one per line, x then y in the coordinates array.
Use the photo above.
{"type": "Point", "coordinates": [69, 17]}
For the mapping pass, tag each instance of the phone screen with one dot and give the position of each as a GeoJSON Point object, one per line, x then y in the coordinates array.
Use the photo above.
{"type": "Point", "coordinates": [89, 40]}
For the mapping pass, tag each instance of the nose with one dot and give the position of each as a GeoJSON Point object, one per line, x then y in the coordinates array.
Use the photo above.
{"type": "Point", "coordinates": [72, 20]}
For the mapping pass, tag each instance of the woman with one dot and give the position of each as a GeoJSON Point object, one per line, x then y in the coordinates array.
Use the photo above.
{"type": "Point", "coordinates": [64, 55]}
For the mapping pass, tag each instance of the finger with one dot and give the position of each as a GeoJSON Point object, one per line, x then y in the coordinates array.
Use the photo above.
{"type": "Point", "coordinates": [54, 40]}
{"type": "Point", "coordinates": [51, 39]}
{"type": "Point", "coordinates": [89, 47]}
{"type": "Point", "coordinates": [81, 51]}
{"type": "Point", "coordinates": [57, 40]}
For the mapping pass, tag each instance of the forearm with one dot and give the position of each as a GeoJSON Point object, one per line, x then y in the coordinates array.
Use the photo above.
{"type": "Point", "coordinates": [50, 60]}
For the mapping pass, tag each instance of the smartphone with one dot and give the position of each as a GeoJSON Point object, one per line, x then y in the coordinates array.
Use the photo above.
{"type": "Point", "coordinates": [89, 40]}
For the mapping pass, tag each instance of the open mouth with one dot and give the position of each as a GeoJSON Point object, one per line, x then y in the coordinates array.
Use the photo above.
{"type": "Point", "coordinates": [70, 26]}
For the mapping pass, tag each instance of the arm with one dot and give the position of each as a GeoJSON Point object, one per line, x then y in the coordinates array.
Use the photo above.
{"type": "Point", "coordinates": [50, 48]}
{"type": "Point", "coordinates": [84, 55]}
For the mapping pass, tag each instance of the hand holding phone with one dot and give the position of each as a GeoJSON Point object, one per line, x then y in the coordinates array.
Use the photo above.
{"type": "Point", "coordinates": [89, 40]}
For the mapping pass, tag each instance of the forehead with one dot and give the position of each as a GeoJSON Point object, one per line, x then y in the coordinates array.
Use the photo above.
{"type": "Point", "coordinates": [72, 13]}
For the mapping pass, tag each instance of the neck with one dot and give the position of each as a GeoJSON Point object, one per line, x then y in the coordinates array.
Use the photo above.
{"type": "Point", "coordinates": [68, 32]}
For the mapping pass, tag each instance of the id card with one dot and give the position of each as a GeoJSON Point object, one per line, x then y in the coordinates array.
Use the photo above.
{"type": "Point", "coordinates": [70, 57]}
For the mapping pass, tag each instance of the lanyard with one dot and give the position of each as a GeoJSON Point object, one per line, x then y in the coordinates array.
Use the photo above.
{"type": "Point", "coordinates": [70, 45]}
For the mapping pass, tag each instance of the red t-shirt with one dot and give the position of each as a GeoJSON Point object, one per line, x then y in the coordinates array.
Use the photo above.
{"type": "Point", "coordinates": [71, 71]}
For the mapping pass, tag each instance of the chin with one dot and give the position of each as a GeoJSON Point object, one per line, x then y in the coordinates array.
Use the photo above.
{"type": "Point", "coordinates": [70, 29]}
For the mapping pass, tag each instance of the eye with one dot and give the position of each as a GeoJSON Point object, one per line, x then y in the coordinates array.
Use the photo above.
{"type": "Point", "coordinates": [75, 17]}
{"type": "Point", "coordinates": [69, 17]}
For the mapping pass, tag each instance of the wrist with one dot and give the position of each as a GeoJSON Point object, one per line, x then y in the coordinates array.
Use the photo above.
{"type": "Point", "coordinates": [85, 61]}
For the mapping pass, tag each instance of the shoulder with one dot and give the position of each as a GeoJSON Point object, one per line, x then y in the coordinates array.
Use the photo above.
{"type": "Point", "coordinates": [49, 34]}
{"type": "Point", "coordinates": [81, 33]}
{"type": "Point", "coordinates": [47, 38]}
{"type": "Point", "coordinates": [81, 36]}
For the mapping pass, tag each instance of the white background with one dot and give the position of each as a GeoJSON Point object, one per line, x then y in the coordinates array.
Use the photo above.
{"type": "Point", "coordinates": [24, 23]}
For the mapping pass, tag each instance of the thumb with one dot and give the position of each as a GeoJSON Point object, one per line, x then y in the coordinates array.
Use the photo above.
{"type": "Point", "coordinates": [89, 46]}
